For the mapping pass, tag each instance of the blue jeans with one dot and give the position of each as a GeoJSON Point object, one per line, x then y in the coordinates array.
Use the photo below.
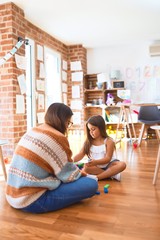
{"type": "Point", "coordinates": [65, 195]}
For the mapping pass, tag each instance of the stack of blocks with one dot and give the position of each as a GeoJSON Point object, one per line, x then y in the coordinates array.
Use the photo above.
{"type": "Point", "coordinates": [106, 188]}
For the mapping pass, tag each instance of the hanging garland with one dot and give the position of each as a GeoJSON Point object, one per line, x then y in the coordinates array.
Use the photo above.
{"type": "Point", "coordinates": [14, 50]}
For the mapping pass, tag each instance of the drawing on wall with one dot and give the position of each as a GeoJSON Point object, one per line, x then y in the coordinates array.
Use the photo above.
{"type": "Point", "coordinates": [147, 72]}
{"type": "Point", "coordinates": [40, 84]}
{"type": "Point", "coordinates": [40, 101]}
{"type": "Point", "coordinates": [21, 62]}
{"type": "Point", "coordinates": [156, 71]}
{"type": "Point", "coordinates": [144, 83]}
{"type": "Point", "coordinates": [39, 52]}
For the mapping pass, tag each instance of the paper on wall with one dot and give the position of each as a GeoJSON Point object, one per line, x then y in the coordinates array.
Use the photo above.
{"type": "Point", "coordinates": [40, 85]}
{"type": "Point", "coordinates": [77, 76]}
{"type": "Point", "coordinates": [64, 87]}
{"type": "Point", "coordinates": [64, 76]}
{"type": "Point", "coordinates": [102, 77]}
{"type": "Point", "coordinates": [76, 104]}
{"type": "Point", "coordinates": [76, 118]}
{"type": "Point", "coordinates": [40, 101]}
{"type": "Point", "coordinates": [40, 117]}
{"type": "Point", "coordinates": [20, 106]}
{"type": "Point", "coordinates": [124, 94]}
{"type": "Point", "coordinates": [64, 95]}
{"type": "Point", "coordinates": [20, 61]}
{"type": "Point", "coordinates": [75, 91]}
{"type": "Point", "coordinates": [41, 70]}
{"type": "Point", "coordinates": [22, 83]}
{"type": "Point", "coordinates": [76, 66]}
{"type": "Point", "coordinates": [64, 65]}
{"type": "Point", "coordinates": [39, 53]}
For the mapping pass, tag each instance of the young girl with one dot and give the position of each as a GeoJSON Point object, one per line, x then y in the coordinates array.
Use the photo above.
{"type": "Point", "coordinates": [99, 148]}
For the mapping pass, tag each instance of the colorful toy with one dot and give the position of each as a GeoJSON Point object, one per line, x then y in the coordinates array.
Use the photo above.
{"type": "Point", "coordinates": [98, 193]}
{"type": "Point", "coordinates": [110, 99]}
{"type": "Point", "coordinates": [106, 188]}
{"type": "Point", "coordinates": [135, 145]}
{"type": "Point", "coordinates": [80, 165]}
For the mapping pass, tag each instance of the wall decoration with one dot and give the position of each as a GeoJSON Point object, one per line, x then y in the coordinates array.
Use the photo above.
{"type": "Point", "coordinates": [14, 50]}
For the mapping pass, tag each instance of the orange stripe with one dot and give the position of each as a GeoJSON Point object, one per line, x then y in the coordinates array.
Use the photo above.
{"type": "Point", "coordinates": [60, 139]}
{"type": "Point", "coordinates": [20, 192]}
{"type": "Point", "coordinates": [26, 153]}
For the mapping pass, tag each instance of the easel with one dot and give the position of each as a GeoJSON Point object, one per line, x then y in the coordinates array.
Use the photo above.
{"type": "Point", "coordinates": [125, 114]}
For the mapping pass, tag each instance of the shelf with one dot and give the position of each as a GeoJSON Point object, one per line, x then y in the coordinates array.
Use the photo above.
{"type": "Point", "coordinates": [113, 89]}
{"type": "Point", "coordinates": [93, 95]}
{"type": "Point", "coordinates": [94, 106]}
{"type": "Point", "coordinates": [108, 123]}
{"type": "Point", "coordinates": [93, 90]}
{"type": "Point", "coordinates": [102, 90]}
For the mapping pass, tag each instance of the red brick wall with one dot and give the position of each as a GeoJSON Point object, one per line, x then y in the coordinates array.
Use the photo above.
{"type": "Point", "coordinates": [12, 126]}
{"type": "Point", "coordinates": [13, 25]}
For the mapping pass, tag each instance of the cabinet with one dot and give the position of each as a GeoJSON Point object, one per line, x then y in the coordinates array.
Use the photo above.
{"type": "Point", "coordinates": [95, 100]}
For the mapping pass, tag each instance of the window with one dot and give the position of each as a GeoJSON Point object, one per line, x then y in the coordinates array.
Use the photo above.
{"type": "Point", "coordinates": [53, 93]}
{"type": "Point", "coordinates": [53, 77]}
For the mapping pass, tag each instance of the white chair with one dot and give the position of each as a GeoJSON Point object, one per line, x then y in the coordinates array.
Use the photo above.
{"type": "Point", "coordinates": [157, 129]}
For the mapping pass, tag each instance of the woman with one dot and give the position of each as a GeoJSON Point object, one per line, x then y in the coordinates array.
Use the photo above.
{"type": "Point", "coordinates": [42, 176]}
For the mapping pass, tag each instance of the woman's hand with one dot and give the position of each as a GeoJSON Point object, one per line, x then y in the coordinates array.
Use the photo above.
{"type": "Point", "coordinates": [83, 173]}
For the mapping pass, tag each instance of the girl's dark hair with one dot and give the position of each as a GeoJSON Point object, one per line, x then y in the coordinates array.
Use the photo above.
{"type": "Point", "coordinates": [57, 116]}
{"type": "Point", "coordinates": [97, 121]}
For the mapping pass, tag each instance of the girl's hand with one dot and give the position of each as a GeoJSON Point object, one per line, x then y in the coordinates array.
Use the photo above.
{"type": "Point", "coordinates": [91, 163]}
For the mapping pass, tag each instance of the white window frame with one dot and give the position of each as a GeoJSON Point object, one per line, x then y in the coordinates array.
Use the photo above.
{"type": "Point", "coordinates": [30, 82]}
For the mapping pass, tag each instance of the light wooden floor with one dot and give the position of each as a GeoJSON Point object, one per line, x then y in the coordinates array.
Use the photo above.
{"type": "Point", "coordinates": [130, 211]}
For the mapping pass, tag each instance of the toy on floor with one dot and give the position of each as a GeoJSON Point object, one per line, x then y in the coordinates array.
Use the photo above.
{"type": "Point", "coordinates": [98, 193]}
{"type": "Point", "coordinates": [106, 188]}
{"type": "Point", "coordinates": [135, 145]}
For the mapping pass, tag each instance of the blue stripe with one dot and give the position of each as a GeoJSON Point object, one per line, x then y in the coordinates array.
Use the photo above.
{"type": "Point", "coordinates": [67, 171]}
{"type": "Point", "coordinates": [27, 166]}
{"type": "Point", "coordinates": [18, 182]}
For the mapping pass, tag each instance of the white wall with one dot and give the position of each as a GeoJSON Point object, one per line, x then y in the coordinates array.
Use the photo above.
{"type": "Point", "coordinates": [140, 72]}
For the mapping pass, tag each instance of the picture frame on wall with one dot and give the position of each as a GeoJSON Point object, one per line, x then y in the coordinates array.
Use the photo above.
{"type": "Point", "coordinates": [118, 84]}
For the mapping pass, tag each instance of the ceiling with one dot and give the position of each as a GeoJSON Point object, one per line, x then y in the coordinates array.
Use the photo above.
{"type": "Point", "coordinates": [95, 23]}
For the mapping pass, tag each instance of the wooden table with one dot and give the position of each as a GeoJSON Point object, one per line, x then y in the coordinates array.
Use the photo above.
{"type": "Point", "coordinates": [3, 142]}
{"type": "Point", "coordinates": [125, 114]}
